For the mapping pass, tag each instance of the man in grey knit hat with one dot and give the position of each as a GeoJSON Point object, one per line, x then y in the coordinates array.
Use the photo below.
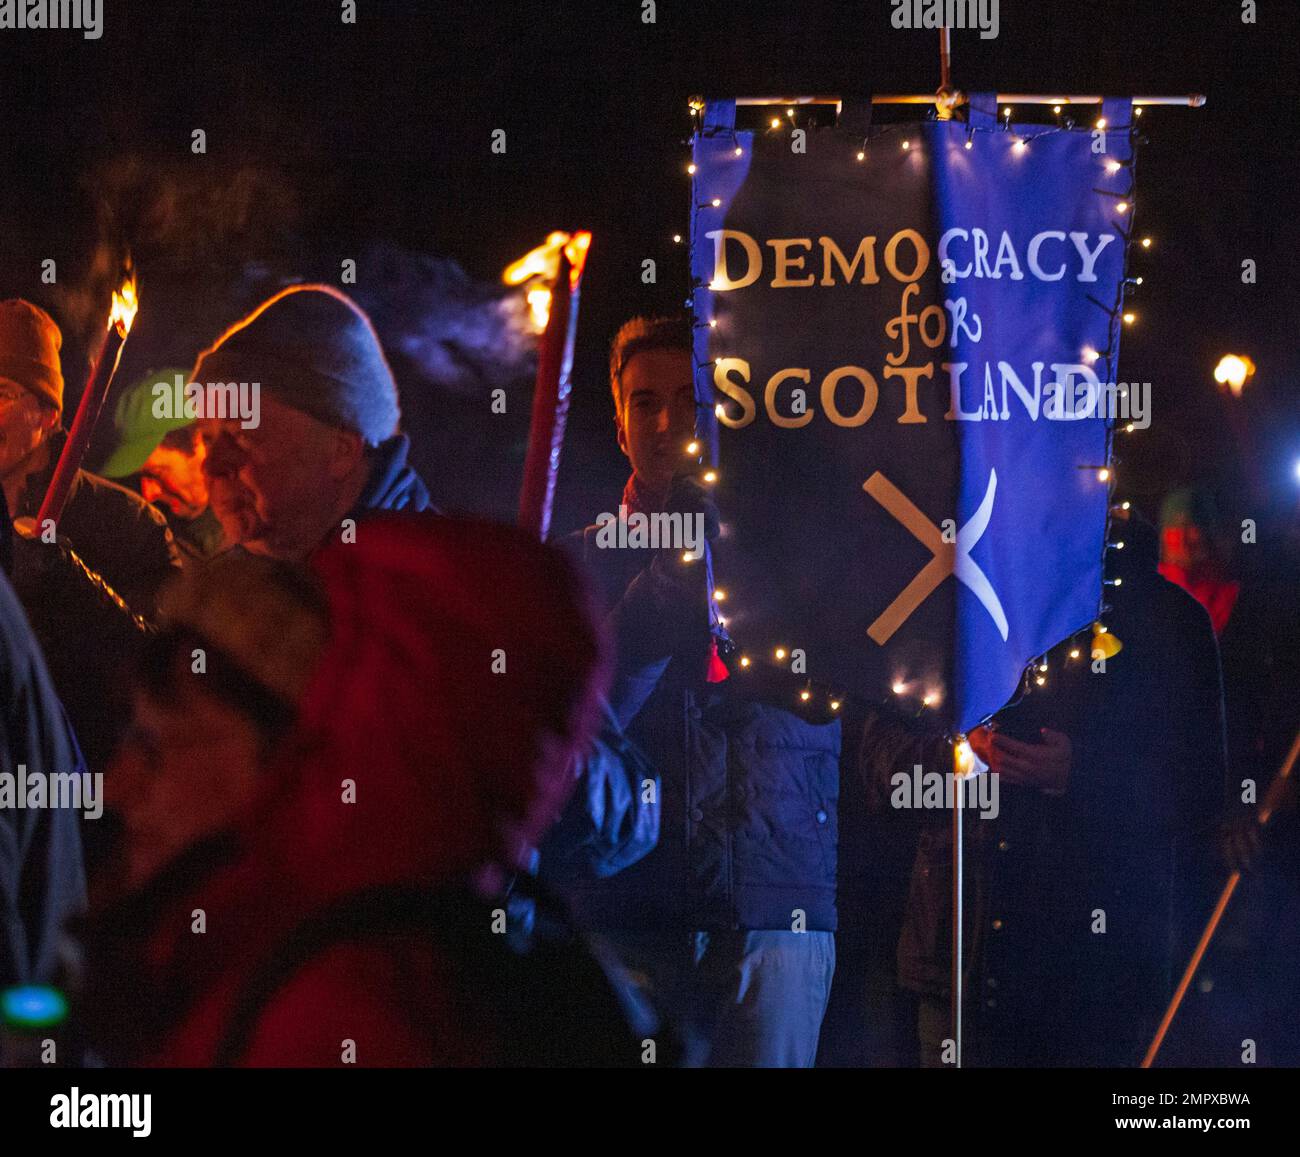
{"type": "Point", "coordinates": [325, 449]}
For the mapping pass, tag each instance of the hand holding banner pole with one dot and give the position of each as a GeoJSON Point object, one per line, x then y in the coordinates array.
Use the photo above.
{"type": "Point", "coordinates": [1272, 801]}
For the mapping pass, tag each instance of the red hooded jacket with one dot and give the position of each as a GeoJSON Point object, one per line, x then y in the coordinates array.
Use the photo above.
{"type": "Point", "coordinates": [435, 745]}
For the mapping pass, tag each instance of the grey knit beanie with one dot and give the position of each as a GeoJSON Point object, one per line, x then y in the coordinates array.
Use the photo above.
{"type": "Point", "coordinates": [313, 348]}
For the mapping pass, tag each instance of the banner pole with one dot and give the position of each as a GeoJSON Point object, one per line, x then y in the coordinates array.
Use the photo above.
{"type": "Point", "coordinates": [1272, 801]}
{"type": "Point", "coordinates": [957, 865]}
{"type": "Point", "coordinates": [1189, 100]}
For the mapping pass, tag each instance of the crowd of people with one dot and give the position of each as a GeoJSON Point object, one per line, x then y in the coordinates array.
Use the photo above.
{"type": "Point", "coordinates": [388, 787]}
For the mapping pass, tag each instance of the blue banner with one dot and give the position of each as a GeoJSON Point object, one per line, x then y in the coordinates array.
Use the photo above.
{"type": "Point", "coordinates": [905, 348]}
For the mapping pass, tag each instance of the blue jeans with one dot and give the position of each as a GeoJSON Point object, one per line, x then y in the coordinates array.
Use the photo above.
{"type": "Point", "coordinates": [740, 999]}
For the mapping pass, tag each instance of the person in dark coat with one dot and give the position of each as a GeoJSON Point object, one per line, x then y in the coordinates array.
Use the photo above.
{"type": "Point", "coordinates": [324, 449]}
{"type": "Point", "coordinates": [42, 881]}
{"type": "Point", "coordinates": [731, 918]}
{"type": "Point", "coordinates": [1084, 891]}
{"type": "Point", "coordinates": [360, 900]}
{"type": "Point", "coordinates": [116, 533]}
{"type": "Point", "coordinates": [90, 586]}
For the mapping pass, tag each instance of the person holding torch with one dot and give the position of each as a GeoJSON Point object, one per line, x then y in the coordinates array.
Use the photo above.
{"type": "Point", "coordinates": [89, 579]}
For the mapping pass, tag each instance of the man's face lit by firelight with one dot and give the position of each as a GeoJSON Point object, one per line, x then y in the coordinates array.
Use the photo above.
{"type": "Point", "coordinates": [657, 415]}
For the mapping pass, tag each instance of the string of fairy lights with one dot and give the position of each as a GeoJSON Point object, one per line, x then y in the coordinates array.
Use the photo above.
{"type": "Point", "coordinates": [814, 694]}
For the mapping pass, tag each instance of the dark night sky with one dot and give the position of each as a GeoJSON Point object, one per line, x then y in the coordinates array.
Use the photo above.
{"type": "Point", "coordinates": [324, 138]}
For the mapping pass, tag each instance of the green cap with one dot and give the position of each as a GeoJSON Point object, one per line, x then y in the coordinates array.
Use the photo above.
{"type": "Point", "coordinates": [137, 430]}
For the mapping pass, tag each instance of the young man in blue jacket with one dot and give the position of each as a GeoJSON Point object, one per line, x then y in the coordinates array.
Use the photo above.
{"type": "Point", "coordinates": [731, 918]}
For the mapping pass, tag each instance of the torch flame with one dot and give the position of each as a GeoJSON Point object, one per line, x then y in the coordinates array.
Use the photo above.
{"type": "Point", "coordinates": [541, 266]}
{"type": "Point", "coordinates": [544, 261]}
{"type": "Point", "coordinates": [125, 305]}
{"type": "Point", "coordinates": [576, 251]}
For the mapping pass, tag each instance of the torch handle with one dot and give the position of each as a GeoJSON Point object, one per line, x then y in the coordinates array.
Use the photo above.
{"type": "Point", "coordinates": [83, 425]}
{"type": "Point", "coordinates": [550, 407]}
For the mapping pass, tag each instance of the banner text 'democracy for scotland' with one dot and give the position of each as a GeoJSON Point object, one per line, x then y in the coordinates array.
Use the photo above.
{"type": "Point", "coordinates": [905, 344]}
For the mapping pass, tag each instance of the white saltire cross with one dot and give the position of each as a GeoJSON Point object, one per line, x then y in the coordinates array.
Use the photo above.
{"type": "Point", "coordinates": [950, 558]}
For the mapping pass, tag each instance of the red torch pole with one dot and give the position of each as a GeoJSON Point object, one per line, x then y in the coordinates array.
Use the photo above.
{"type": "Point", "coordinates": [88, 409]}
{"type": "Point", "coordinates": [551, 393]}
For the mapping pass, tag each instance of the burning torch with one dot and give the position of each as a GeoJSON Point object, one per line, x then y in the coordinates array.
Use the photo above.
{"type": "Point", "coordinates": [553, 274]}
{"type": "Point", "coordinates": [98, 384]}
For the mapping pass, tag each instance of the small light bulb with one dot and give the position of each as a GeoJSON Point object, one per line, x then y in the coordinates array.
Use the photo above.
{"type": "Point", "coordinates": [899, 688]}
{"type": "Point", "coordinates": [789, 112]}
{"type": "Point", "coordinates": [862, 156]}
{"type": "Point", "coordinates": [1129, 428]}
{"type": "Point", "coordinates": [1137, 281]}
{"type": "Point", "coordinates": [687, 556]}
{"type": "Point", "coordinates": [1103, 475]}
{"type": "Point", "coordinates": [677, 238]}
{"type": "Point", "coordinates": [1122, 207]}
{"type": "Point", "coordinates": [776, 122]}
{"type": "Point", "coordinates": [1119, 582]}
{"type": "Point", "coordinates": [1113, 167]}
{"type": "Point", "coordinates": [1130, 318]}
{"type": "Point", "coordinates": [1101, 629]}
{"type": "Point", "coordinates": [692, 447]}
{"type": "Point", "coordinates": [744, 660]}
{"type": "Point", "coordinates": [1101, 122]}
{"type": "Point", "coordinates": [716, 202]}
{"type": "Point", "coordinates": [1090, 354]}
{"type": "Point", "coordinates": [1040, 680]}
{"type": "Point", "coordinates": [1146, 244]}
{"type": "Point", "coordinates": [1137, 112]}
{"type": "Point", "coordinates": [720, 595]}
{"type": "Point", "coordinates": [1074, 653]}
{"type": "Point", "coordinates": [1042, 666]}
{"type": "Point", "coordinates": [805, 695]}
{"type": "Point", "coordinates": [907, 144]}
{"type": "Point", "coordinates": [1021, 146]}
{"type": "Point", "coordinates": [722, 620]}
{"type": "Point", "coordinates": [929, 700]}
{"type": "Point", "coordinates": [1006, 112]}
{"type": "Point", "coordinates": [835, 704]}
{"type": "Point", "coordinates": [739, 151]}
{"type": "Point", "coordinates": [719, 411]}
{"type": "Point", "coordinates": [780, 653]}
{"type": "Point", "coordinates": [1056, 108]}
{"type": "Point", "coordinates": [710, 476]}
{"type": "Point", "coordinates": [970, 144]}
{"type": "Point", "coordinates": [713, 323]}
{"type": "Point", "coordinates": [1125, 505]}
{"type": "Point", "coordinates": [1119, 546]}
